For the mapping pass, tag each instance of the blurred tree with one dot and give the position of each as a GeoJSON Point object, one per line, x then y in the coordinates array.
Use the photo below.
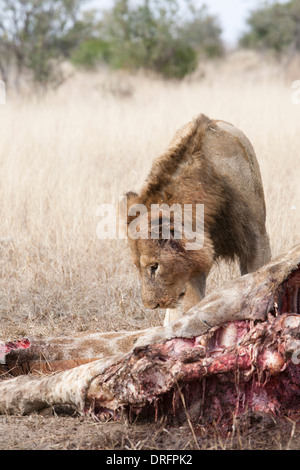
{"type": "Point", "coordinates": [202, 32]}
{"type": "Point", "coordinates": [5, 61]}
{"type": "Point", "coordinates": [274, 26]}
{"type": "Point", "coordinates": [155, 35]}
{"type": "Point", "coordinates": [91, 52]}
{"type": "Point", "coordinates": [36, 34]}
{"type": "Point", "coordinates": [167, 36]}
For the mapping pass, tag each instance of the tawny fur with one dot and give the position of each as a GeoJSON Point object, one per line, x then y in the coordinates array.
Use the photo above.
{"type": "Point", "coordinates": [212, 163]}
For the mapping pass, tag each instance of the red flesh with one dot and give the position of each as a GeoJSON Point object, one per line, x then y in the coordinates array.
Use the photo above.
{"type": "Point", "coordinates": [6, 348]}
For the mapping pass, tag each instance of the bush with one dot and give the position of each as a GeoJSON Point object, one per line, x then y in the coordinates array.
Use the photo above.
{"type": "Point", "coordinates": [274, 27]}
{"type": "Point", "coordinates": [90, 53]}
{"type": "Point", "coordinates": [152, 35]}
{"type": "Point", "coordinates": [180, 61]}
{"type": "Point", "coordinates": [36, 36]}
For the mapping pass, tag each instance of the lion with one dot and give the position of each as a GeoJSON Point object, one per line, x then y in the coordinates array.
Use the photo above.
{"type": "Point", "coordinates": [211, 163]}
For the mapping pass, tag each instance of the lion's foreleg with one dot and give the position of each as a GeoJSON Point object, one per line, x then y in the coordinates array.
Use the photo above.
{"type": "Point", "coordinates": [195, 292]}
{"type": "Point", "coordinates": [172, 314]}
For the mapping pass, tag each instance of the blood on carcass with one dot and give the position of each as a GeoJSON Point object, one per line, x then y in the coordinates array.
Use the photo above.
{"type": "Point", "coordinates": [288, 299]}
{"type": "Point", "coordinates": [6, 348]}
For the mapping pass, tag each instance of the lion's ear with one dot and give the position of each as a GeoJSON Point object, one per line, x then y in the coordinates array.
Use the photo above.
{"type": "Point", "coordinates": [131, 195]}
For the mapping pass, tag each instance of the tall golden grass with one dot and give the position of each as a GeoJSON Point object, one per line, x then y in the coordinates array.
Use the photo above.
{"type": "Point", "coordinates": [92, 140]}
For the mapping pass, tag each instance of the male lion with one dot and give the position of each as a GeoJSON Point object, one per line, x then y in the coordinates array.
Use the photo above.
{"type": "Point", "coordinates": [208, 162]}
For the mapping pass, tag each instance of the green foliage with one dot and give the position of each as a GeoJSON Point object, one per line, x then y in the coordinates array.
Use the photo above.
{"type": "Point", "coordinates": [90, 53]}
{"type": "Point", "coordinates": [154, 35]}
{"type": "Point", "coordinates": [37, 34]}
{"type": "Point", "coordinates": [178, 61]}
{"type": "Point", "coordinates": [202, 33]}
{"type": "Point", "coordinates": [166, 36]}
{"type": "Point", "coordinates": [274, 26]}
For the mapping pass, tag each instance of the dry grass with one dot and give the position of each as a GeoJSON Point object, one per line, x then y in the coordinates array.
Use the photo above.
{"type": "Point", "coordinates": [38, 432]}
{"type": "Point", "coordinates": [64, 154]}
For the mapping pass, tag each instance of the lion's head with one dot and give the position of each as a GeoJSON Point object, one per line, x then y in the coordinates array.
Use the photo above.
{"type": "Point", "coordinates": [165, 266]}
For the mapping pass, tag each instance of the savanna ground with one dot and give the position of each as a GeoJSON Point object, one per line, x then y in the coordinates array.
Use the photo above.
{"type": "Point", "coordinates": [65, 153]}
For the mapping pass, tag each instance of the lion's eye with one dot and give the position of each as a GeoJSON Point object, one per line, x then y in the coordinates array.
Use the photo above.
{"type": "Point", "coordinates": [154, 267]}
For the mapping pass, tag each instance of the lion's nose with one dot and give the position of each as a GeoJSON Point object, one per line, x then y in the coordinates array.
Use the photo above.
{"type": "Point", "coordinates": [151, 305]}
